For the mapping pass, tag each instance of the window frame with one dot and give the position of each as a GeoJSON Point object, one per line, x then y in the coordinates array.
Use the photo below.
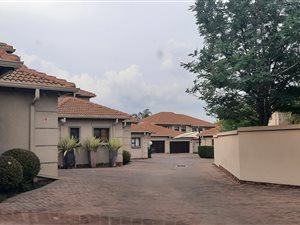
{"type": "Point", "coordinates": [135, 146]}
{"type": "Point", "coordinates": [177, 128]}
{"type": "Point", "coordinates": [79, 132]}
{"type": "Point", "coordinates": [102, 128]}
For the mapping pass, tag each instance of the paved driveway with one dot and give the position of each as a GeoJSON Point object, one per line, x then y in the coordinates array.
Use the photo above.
{"type": "Point", "coordinates": [153, 191]}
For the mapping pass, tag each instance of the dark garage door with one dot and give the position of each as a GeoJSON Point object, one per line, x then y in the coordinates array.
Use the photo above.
{"type": "Point", "coordinates": [180, 147]}
{"type": "Point", "coordinates": [158, 147]}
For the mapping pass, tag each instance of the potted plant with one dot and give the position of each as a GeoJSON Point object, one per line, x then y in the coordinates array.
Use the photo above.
{"type": "Point", "coordinates": [113, 146]}
{"type": "Point", "coordinates": [91, 145]}
{"type": "Point", "coordinates": [67, 146]}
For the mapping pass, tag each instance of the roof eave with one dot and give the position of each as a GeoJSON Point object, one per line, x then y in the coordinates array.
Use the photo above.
{"type": "Point", "coordinates": [74, 116]}
{"type": "Point", "coordinates": [10, 64]}
{"type": "Point", "coordinates": [30, 86]}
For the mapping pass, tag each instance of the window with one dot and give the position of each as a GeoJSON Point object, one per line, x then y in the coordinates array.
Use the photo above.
{"type": "Point", "coordinates": [183, 128]}
{"type": "Point", "coordinates": [176, 128]}
{"type": "Point", "coordinates": [135, 142]}
{"type": "Point", "coordinates": [75, 133]}
{"type": "Point", "coordinates": [195, 129]}
{"type": "Point", "coordinates": [212, 142]}
{"type": "Point", "coordinates": [102, 133]}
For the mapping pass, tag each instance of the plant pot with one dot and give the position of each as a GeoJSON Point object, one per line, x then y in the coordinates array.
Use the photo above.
{"type": "Point", "coordinates": [113, 158]}
{"type": "Point", "coordinates": [69, 160]}
{"type": "Point", "coordinates": [93, 158]}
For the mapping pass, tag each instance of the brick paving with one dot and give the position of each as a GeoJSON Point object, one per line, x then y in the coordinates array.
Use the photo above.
{"type": "Point", "coordinates": [153, 191]}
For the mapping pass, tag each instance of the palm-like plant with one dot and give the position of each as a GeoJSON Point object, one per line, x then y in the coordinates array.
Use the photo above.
{"type": "Point", "coordinates": [145, 113]}
{"type": "Point", "coordinates": [113, 146]}
{"type": "Point", "coordinates": [92, 144]}
{"type": "Point", "coordinates": [68, 146]}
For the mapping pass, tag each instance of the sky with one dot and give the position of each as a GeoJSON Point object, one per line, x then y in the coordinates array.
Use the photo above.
{"type": "Point", "coordinates": [127, 52]}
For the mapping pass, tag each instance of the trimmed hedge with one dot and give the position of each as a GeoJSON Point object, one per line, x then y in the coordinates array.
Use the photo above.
{"type": "Point", "coordinates": [206, 152]}
{"type": "Point", "coordinates": [29, 161]}
{"type": "Point", "coordinates": [126, 157]}
{"type": "Point", "coordinates": [11, 173]}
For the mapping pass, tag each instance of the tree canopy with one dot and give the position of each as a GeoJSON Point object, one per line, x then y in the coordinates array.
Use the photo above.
{"type": "Point", "coordinates": [249, 66]}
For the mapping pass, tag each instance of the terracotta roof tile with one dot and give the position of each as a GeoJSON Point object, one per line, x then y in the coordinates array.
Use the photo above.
{"type": "Point", "coordinates": [77, 108]}
{"type": "Point", "coordinates": [156, 131]}
{"type": "Point", "coordinates": [6, 53]}
{"type": "Point", "coordinates": [27, 76]}
{"type": "Point", "coordinates": [170, 118]}
{"type": "Point", "coordinates": [210, 132]}
{"type": "Point", "coordinates": [132, 120]}
{"type": "Point", "coordinates": [83, 93]}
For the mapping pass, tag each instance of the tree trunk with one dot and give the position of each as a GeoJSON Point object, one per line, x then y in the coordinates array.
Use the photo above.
{"type": "Point", "coordinates": [264, 112]}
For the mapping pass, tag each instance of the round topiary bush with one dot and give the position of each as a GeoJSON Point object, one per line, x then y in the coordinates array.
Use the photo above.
{"type": "Point", "coordinates": [29, 161]}
{"type": "Point", "coordinates": [126, 157]}
{"type": "Point", "coordinates": [11, 173]}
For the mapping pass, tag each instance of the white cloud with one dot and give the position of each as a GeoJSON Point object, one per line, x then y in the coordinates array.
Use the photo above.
{"type": "Point", "coordinates": [171, 55]}
{"type": "Point", "coordinates": [125, 89]}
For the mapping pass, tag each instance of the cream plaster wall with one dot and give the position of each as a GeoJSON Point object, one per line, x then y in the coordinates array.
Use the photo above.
{"type": "Point", "coordinates": [32, 127]}
{"type": "Point", "coordinates": [142, 152]}
{"type": "Point", "coordinates": [87, 128]}
{"type": "Point", "coordinates": [261, 154]}
{"type": "Point", "coordinates": [207, 141]}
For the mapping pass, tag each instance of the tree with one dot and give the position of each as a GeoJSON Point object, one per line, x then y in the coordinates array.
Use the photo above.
{"type": "Point", "coordinates": [145, 113]}
{"type": "Point", "coordinates": [249, 65]}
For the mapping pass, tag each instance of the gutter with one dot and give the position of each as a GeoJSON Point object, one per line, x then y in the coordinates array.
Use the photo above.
{"type": "Point", "coordinates": [32, 119]}
{"type": "Point", "coordinates": [30, 86]}
{"type": "Point", "coordinates": [10, 64]}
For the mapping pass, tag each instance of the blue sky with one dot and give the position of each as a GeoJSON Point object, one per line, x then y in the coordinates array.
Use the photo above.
{"type": "Point", "coordinates": [128, 53]}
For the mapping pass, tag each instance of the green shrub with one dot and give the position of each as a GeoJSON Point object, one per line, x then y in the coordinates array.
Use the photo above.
{"type": "Point", "coordinates": [126, 157]}
{"type": "Point", "coordinates": [206, 151]}
{"type": "Point", "coordinates": [11, 173]}
{"type": "Point", "coordinates": [29, 161]}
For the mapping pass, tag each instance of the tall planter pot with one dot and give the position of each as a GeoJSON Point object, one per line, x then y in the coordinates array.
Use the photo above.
{"type": "Point", "coordinates": [113, 154]}
{"type": "Point", "coordinates": [93, 158]}
{"type": "Point", "coordinates": [69, 160]}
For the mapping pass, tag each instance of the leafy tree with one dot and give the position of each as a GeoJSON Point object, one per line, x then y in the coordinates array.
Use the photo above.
{"type": "Point", "coordinates": [249, 65]}
{"type": "Point", "coordinates": [145, 113]}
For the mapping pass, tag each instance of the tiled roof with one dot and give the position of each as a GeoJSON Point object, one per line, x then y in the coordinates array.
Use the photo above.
{"type": "Point", "coordinates": [83, 93]}
{"type": "Point", "coordinates": [170, 118]}
{"type": "Point", "coordinates": [73, 107]}
{"type": "Point", "coordinates": [6, 53]}
{"type": "Point", "coordinates": [29, 77]}
{"type": "Point", "coordinates": [156, 131]}
{"type": "Point", "coordinates": [132, 120]}
{"type": "Point", "coordinates": [210, 132]}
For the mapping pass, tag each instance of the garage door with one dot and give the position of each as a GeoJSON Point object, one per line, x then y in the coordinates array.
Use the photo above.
{"type": "Point", "coordinates": [180, 147]}
{"type": "Point", "coordinates": [158, 147]}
